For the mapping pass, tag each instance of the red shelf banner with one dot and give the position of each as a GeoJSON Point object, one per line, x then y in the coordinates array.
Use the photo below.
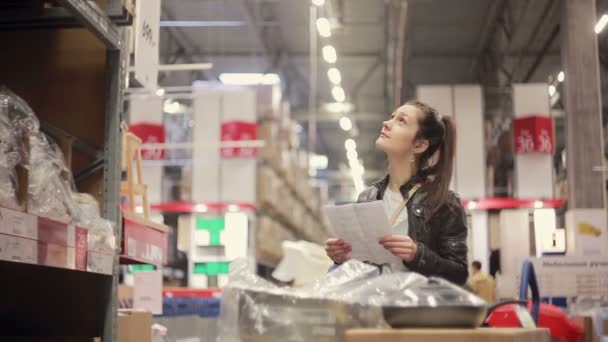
{"type": "Point", "coordinates": [533, 134]}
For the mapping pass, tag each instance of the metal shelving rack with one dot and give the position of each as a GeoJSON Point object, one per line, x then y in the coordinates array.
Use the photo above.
{"type": "Point", "coordinates": [51, 302]}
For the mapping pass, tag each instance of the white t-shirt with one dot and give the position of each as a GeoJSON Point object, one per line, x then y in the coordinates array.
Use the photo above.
{"type": "Point", "coordinates": [391, 201]}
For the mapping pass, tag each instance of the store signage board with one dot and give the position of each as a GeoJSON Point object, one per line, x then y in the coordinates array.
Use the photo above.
{"type": "Point", "coordinates": [144, 244]}
{"type": "Point", "coordinates": [147, 292]}
{"type": "Point", "coordinates": [587, 276]}
{"type": "Point", "coordinates": [533, 134]}
{"type": "Point", "coordinates": [147, 25]}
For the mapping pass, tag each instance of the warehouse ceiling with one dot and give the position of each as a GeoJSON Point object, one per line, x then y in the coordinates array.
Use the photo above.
{"type": "Point", "coordinates": [442, 41]}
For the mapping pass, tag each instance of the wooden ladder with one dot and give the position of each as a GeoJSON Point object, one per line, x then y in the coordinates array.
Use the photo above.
{"type": "Point", "coordinates": [133, 187]}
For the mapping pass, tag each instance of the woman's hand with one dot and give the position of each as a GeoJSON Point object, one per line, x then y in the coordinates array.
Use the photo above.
{"type": "Point", "coordinates": [338, 250]}
{"type": "Point", "coordinates": [400, 245]}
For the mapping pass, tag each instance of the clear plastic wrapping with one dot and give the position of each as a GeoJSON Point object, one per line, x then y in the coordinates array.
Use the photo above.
{"type": "Point", "coordinates": [354, 295]}
{"type": "Point", "coordinates": [87, 215]}
{"type": "Point", "coordinates": [17, 121]}
{"type": "Point", "coordinates": [49, 191]}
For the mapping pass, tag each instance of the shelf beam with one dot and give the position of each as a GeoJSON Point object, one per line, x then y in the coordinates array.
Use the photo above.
{"type": "Point", "coordinates": [96, 20]}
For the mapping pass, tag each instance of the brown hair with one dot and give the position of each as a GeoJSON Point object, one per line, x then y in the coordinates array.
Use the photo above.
{"type": "Point", "coordinates": [436, 162]}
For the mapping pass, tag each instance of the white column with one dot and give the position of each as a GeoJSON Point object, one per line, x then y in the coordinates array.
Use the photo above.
{"type": "Point", "coordinates": [465, 104]}
{"type": "Point", "coordinates": [533, 171]}
{"type": "Point", "coordinates": [238, 174]}
{"type": "Point", "coordinates": [206, 142]}
{"type": "Point", "coordinates": [470, 162]}
{"type": "Point", "coordinates": [514, 247]}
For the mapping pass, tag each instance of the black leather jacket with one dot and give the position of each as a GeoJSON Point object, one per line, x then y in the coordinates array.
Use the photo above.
{"type": "Point", "coordinates": [441, 239]}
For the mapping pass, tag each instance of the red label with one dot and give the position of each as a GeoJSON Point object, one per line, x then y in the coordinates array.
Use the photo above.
{"type": "Point", "coordinates": [51, 231]}
{"type": "Point", "coordinates": [81, 246]}
{"type": "Point", "coordinates": [533, 134]}
{"type": "Point", "coordinates": [50, 254]}
{"type": "Point", "coordinates": [239, 131]}
{"type": "Point", "coordinates": [144, 244]}
{"type": "Point", "coordinates": [150, 134]}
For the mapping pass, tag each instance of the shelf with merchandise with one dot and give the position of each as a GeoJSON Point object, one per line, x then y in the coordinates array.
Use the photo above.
{"type": "Point", "coordinates": [62, 276]}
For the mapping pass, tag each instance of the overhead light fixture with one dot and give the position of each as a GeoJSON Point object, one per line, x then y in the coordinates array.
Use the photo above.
{"type": "Point", "coordinates": [249, 79]}
{"type": "Point", "coordinates": [338, 94]}
{"type": "Point", "coordinates": [601, 24]}
{"type": "Point", "coordinates": [318, 2]}
{"type": "Point", "coordinates": [329, 54]}
{"type": "Point", "coordinates": [472, 205]}
{"type": "Point", "coordinates": [201, 208]}
{"type": "Point", "coordinates": [319, 162]}
{"type": "Point", "coordinates": [352, 155]}
{"type": "Point", "coordinates": [552, 90]}
{"type": "Point", "coordinates": [334, 75]}
{"type": "Point", "coordinates": [160, 92]}
{"type": "Point", "coordinates": [561, 76]}
{"type": "Point", "coordinates": [339, 107]}
{"type": "Point", "coordinates": [324, 27]}
{"type": "Point", "coordinates": [350, 145]}
{"type": "Point", "coordinates": [345, 123]}
{"type": "Point", "coordinates": [171, 107]}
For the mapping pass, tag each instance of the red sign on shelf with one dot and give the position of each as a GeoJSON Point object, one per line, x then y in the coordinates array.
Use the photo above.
{"type": "Point", "coordinates": [144, 244]}
{"type": "Point", "coordinates": [239, 131]}
{"type": "Point", "coordinates": [150, 134]}
{"type": "Point", "coordinates": [533, 134]}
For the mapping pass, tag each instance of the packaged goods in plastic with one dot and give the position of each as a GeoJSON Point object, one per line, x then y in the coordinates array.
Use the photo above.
{"type": "Point", "coordinates": [354, 295]}
{"type": "Point", "coordinates": [17, 121]}
{"type": "Point", "coordinates": [49, 191]}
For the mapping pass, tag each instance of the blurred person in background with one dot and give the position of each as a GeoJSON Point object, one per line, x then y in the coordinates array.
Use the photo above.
{"type": "Point", "coordinates": [429, 223]}
{"type": "Point", "coordinates": [483, 285]}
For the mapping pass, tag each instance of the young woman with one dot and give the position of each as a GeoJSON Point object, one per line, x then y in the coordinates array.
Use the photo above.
{"type": "Point", "coordinates": [429, 223]}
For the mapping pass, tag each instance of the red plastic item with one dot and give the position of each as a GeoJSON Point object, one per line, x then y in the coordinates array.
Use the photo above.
{"type": "Point", "coordinates": [181, 292]}
{"type": "Point", "coordinates": [549, 316]}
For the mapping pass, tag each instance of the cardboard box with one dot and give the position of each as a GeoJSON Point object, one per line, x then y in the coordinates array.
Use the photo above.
{"type": "Point", "coordinates": [134, 326]}
{"type": "Point", "coordinates": [449, 335]}
{"type": "Point", "coordinates": [590, 333]}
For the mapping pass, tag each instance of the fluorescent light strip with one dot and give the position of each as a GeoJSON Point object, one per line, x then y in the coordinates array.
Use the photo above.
{"type": "Point", "coordinates": [601, 24]}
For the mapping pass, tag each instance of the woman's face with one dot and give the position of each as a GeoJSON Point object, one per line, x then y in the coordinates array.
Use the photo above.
{"type": "Point", "coordinates": [398, 134]}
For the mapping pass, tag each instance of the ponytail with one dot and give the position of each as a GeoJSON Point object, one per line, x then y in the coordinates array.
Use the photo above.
{"type": "Point", "coordinates": [435, 165]}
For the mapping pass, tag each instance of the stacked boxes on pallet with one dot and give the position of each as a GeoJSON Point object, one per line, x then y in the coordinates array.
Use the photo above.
{"type": "Point", "coordinates": [290, 206]}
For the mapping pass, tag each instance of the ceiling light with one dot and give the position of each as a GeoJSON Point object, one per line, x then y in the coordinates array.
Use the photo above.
{"type": "Point", "coordinates": [338, 107]}
{"type": "Point", "coordinates": [160, 91]}
{"type": "Point", "coordinates": [323, 27]}
{"type": "Point", "coordinates": [319, 162]}
{"type": "Point", "coordinates": [561, 76]}
{"type": "Point", "coordinates": [352, 155]}
{"type": "Point", "coordinates": [329, 54]}
{"type": "Point", "coordinates": [338, 94]}
{"type": "Point", "coordinates": [271, 79]}
{"type": "Point", "coordinates": [345, 123]}
{"type": "Point", "coordinates": [350, 145]}
{"type": "Point", "coordinates": [552, 90]}
{"type": "Point", "coordinates": [599, 27]}
{"type": "Point", "coordinates": [249, 78]}
{"type": "Point", "coordinates": [171, 107]}
{"type": "Point", "coordinates": [200, 208]}
{"type": "Point", "coordinates": [334, 75]}
{"type": "Point", "coordinates": [318, 2]}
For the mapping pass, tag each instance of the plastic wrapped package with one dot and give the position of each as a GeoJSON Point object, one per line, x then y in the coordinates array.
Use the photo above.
{"type": "Point", "coordinates": [255, 310]}
{"type": "Point", "coordinates": [17, 120]}
{"type": "Point", "coordinates": [352, 296]}
{"type": "Point", "coordinates": [49, 192]}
